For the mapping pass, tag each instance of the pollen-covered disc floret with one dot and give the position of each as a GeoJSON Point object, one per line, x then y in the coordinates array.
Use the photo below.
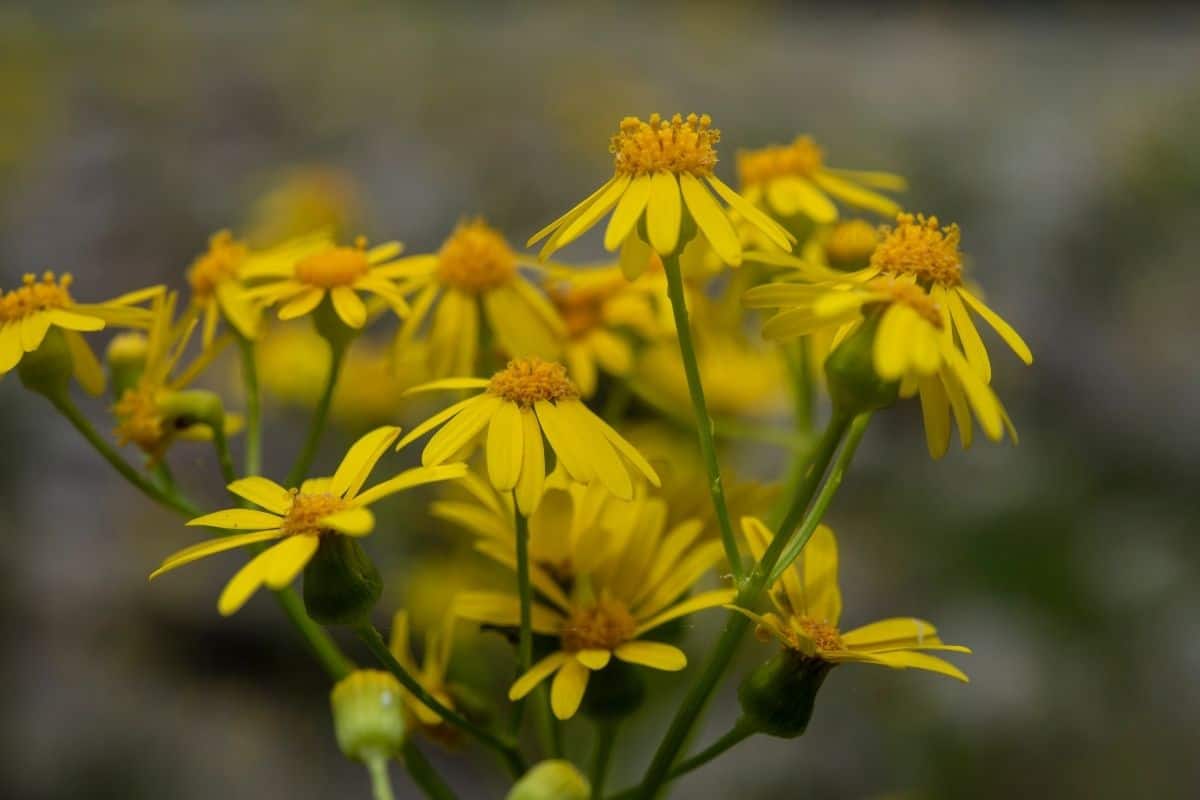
{"type": "Point", "coordinates": [918, 246]}
{"type": "Point", "coordinates": [139, 420]}
{"type": "Point", "coordinates": [218, 264]}
{"type": "Point", "coordinates": [851, 243]}
{"type": "Point", "coordinates": [34, 295]}
{"type": "Point", "coordinates": [476, 258]}
{"type": "Point", "coordinates": [308, 510]}
{"type": "Point", "coordinates": [604, 626]}
{"type": "Point", "coordinates": [826, 637]}
{"type": "Point", "coordinates": [802, 157]}
{"type": "Point", "coordinates": [906, 293]}
{"type": "Point", "coordinates": [335, 266]}
{"type": "Point", "coordinates": [525, 381]}
{"type": "Point", "coordinates": [681, 145]}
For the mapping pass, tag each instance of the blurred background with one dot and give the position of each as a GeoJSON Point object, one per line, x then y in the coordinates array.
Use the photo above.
{"type": "Point", "coordinates": [1065, 145]}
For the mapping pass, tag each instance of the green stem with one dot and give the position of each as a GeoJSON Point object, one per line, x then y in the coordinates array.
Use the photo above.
{"type": "Point", "coordinates": [224, 459]}
{"type": "Point", "coordinates": [704, 423]}
{"type": "Point", "coordinates": [322, 645]}
{"type": "Point", "coordinates": [617, 403]}
{"type": "Point", "coordinates": [381, 782]}
{"type": "Point", "coordinates": [749, 594]}
{"type": "Point", "coordinates": [374, 642]}
{"type": "Point", "coordinates": [253, 461]}
{"type": "Point", "coordinates": [424, 774]}
{"type": "Point", "coordinates": [737, 734]}
{"type": "Point", "coordinates": [68, 409]}
{"type": "Point", "coordinates": [602, 750]}
{"type": "Point", "coordinates": [320, 417]}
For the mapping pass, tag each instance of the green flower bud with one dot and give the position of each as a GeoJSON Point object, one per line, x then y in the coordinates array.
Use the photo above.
{"type": "Point", "coordinates": [850, 369]}
{"type": "Point", "coordinates": [341, 583]}
{"type": "Point", "coordinates": [551, 780]}
{"type": "Point", "coordinates": [48, 369]}
{"type": "Point", "coordinates": [614, 692]}
{"type": "Point", "coordinates": [182, 410]}
{"type": "Point", "coordinates": [330, 327]}
{"type": "Point", "coordinates": [126, 358]}
{"type": "Point", "coordinates": [777, 698]}
{"type": "Point", "coordinates": [368, 714]}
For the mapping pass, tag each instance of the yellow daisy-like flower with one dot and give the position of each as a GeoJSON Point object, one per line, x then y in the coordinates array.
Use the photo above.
{"type": "Point", "coordinates": [792, 179]}
{"type": "Point", "coordinates": [474, 272]}
{"type": "Point", "coordinates": [338, 272]}
{"type": "Point", "coordinates": [627, 582]}
{"type": "Point", "coordinates": [521, 403]}
{"type": "Point", "coordinates": [432, 673]}
{"type": "Point", "coordinates": [336, 506]}
{"type": "Point", "coordinates": [659, 194]}
{"type": "Point", "coordinates": [29, 312]}
{"type": "Point", "coordinates": [913, 345]}
{"type": "Point", "coordinates": [215, 279]}
{"type": "Point", "coordinates": [808, 607]}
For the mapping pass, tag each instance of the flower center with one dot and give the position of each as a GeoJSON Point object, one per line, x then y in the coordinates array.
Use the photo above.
{"type": "Point", "coordinates": [678, 146]}
{"type": "Point", "coordinates": [525, 381]}
{"type": "Point", "coordinates": [336, 266]}
{"type": "Point", "coordinates": [802, 157]}
{"type": "Point", "coordinates": [219, 264]}
{"type": "Point", "coordinates": [138, 418]}
{"type": "Point", "coordinates": [917, 246]}
{"type": "Point", "coordinates": [600, 627]}
{"type": "Point", "coordinates": [851, 243]}
{"type": "Point", "coordinates": [476, 258]}
{"type": "Point", "coordinates": [826, 637]}
{"type": "Point", "coordinates": [909, 294]}
{"type": "Point", "coordinates": [307, 511]}
{"type": "Point", "coordinates": [35, 296]}
{"type": "Point", "coordinates": [581, 309]}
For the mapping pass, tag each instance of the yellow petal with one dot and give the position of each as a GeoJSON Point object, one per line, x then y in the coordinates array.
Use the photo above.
{"type": "Point", "coordinates": [10, 346]}
{"type": "Point", "coordinates": [88, 371]}
{"type": "Point", "coordinates": [566, 218]}
{"type": "Point", "coordinates": [207, 548]}
{"type": "Point", "coordinates": [601, 455]}
{"type": "Point", "coordinates": [497, 608]}
{"type": "Point", "coordinates": [360, 459]}
{"type": "Point", "coordinates": [811, 201]}
{"type": "Point", "coordinates": [302, 303]}
{"type": "Point", "coordinates": [243, 584]}
{"type": "Point", "coordinates": [935, 409]}
{"type": "Point", "coordinates": [504, 443]}
{"type": "Point", "coordinates": [655, 655]}
{"type": "Point", "coordinates": [531, 483]}
{"type": "Point", "coordinates": [627, 450]}
{"type": "Point", "coordinates": [587, 216]}
{"type": "Point", "coordinates": [448, 383]}
{"type": "Point", "coordinates": [716, 597]}
{"type": "Point", "coordinates": [563, 440]}
{"type": "Point", "coordinates": [906, 659]}
{"type": "Point", "coordinates": [892, 341]}
{"type": "Point", "coordinates": [854, 195]}
{"type": "Point", "coordinates": [1006, 331]}
{"type": "Point", "coordinates": [711, 219]}
{"type": "Point", "coordinates": [566, 693]}
{"type": "Point", "coordinates": [629, 209]}
{"type": "Point", "coordinates": [459, 431]}
{"type": "Point", "coordinates": [769, 227]}
{"type": "Point", "coordinates": [635, 256]}
{"type": "Point", "coordinates": [287, 559]}
{"type": "Point", "coordinates": [238, 519]}
{"type": "Point", "coordinates": [664, 213]}
{"type": "Point", "coordinates": [900, 631]}
{"type": "Point", "coordinates": [73, 321]}
{"type": "Point", "coordinates": [356, 521]}
{"type": "Point", "coordinates": [417, 476]}
{"type": "Point", "coordinates": [33, 330]}
{"type": "Point", "coordinates": [536, 674]}
{"type": "Point", "coordinates": [349, 306]}
{"type": "Point", "coordinates": [263, 492]}
{"type": "Point", "coordinates": [972, 344]}
{"type": "Point", "coordinates": [241, 313]}
{"type": "Point", "coordinates": [594, 659]}
{"type": "Point", "coordinates": [824, 598]}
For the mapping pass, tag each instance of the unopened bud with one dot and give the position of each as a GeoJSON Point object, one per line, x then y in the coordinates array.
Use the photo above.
{"type": "Point", "coordinates": [126, 358]}
{"type": "Point", "coordinates": [341, 583]}
{"type": "Point", "coordinates": [368, 714]}
{"type": "Point", "coordinates": [777, 698]}
{"type": "Point", "coordinates": [48, 369]}
{"type": "Point", "coordinates": [551, 780]}
{"type": "Point", "coordinates": [854, 386]}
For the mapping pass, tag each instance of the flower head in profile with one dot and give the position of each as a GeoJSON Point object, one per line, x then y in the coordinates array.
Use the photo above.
{"type": "Point", "coordinates": [529, 399]}
{"type": "Point", "coordinates": [431, 672]}
{"type": "Point", "coordinates": [339, 272]}
{"type": "Point", "coordinates": [296, 520]}
{"type": "Point", "coordinates": [37, 307]}
{"type": "Point", "coordinates": [475, 278]}
{"type": "Point", "coordinates": [793, 179]}
{"type": "Point", "coordinates": [629, 577]}
{"type": "Point", "coordinates": [808, 609]}
{"type": "Point", "coordinates": [660, 197]}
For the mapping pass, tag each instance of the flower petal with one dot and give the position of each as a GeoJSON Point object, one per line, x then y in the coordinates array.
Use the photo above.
{"type": "Point", "coordinates": [360, 459]}
{"type": "Point", "coordinates": [302, 303]}
{"type": "Point", "coordinates": [459, 431]}
{"type": "Point", "coordinates": [357, 521]}
{"type": "Point", "coordinates": [349, 306]}
{"type": "Point", "coordinates": [566, 693]}
{"type": "Point", "coordinates": [536, 674]}
{"type": "Point", "coordinates": [711, 219]}
{"type": "Point", "coordinates": [532, 481]}
{"type": "Point", "coordinates": [629, 209]}
{"type": "Point", "coordinates": [212, 546]}
{"type": "Point", "coordinates": [770, 228]}
{"type": "Point", "coordinates": [244, 583]}
{"type": "Point", "coordinates": [287, 559]}
{"type": "Point", "coordinates": [504, 443]}
{"type": "Point", "coordinates": [655, 655]}
{"type": "Point", "coordinates": [238, 519]}
{"type": "Point", "coordinates": [664, 212]}
{"type": "Point", "coordinates": [1006, 331]}
{"type": "Point", "coordinates": [594, 659]}
{"type": "Point", "coordinates": [417, 476]}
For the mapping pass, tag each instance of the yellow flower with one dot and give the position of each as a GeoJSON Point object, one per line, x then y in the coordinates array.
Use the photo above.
{"type": "Point", "coordinates": [913, 345]}
{"type": "Point", "coordinates": [660, 171]}
{"type": "Point", "coordinates": [215, 279]}
{"type": "Point", "coordinates": [30, 311]}
{"type": "Point", "coordinates": [629, 578]}
{"type": "Point", "coordinates": [307, 197]}
{"type": "Point", "coordinates": [339, 272]}
{"type": "Point", "coordinates": [432, 673]}
{"type": "Point", "coordinates": [334, 506]}
{"type": "Point", "coordinates": [475, 272]}
{"type": "Point", "coordinates": [808, 607]}
{"type": "Point", "coordinates": [521, 403]}
{"type": "Point", "coordinates": [793, 179]}
{"type": "Point", "coordinates": [846, 245]}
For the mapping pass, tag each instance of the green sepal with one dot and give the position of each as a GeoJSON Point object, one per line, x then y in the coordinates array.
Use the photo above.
{"type": "Point", "coordinates": [48, 369]}
{"type": "Point", "coordinates": [854, 386]}
{"type": "Point", "coordinates": [341, 583]}
{"type": "Point", "coordinates": [777, 697]}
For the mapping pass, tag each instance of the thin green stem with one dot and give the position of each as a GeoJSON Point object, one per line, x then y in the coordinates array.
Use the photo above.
{"type": "Point", "coordinates": [68, 409]}
{"type": "Point", "coordinates": [602, 750]}
{"type": "Point", "coordinates": [253, 460]}
{"type": "Point", "coordinates": [381, 782]}
{"type": "Point", "coordinates": [335, 663]}
{"type": "Point", "coordinates": [374, 642]}
{"type": "Point", "coordinates": [224, 459]}
{"type": "Point", "coordinates": [704, 423]}
{"type": "Point", "coordinates": [737, 734]}
{"type": "Point", "coordinates": [424, 774]}
{"type": "Point", "coordinates": [749, 594]}
{"type": "Point", "coordinates": [320, 417]}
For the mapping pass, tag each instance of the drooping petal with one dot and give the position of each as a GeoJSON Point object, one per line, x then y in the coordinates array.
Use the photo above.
{"type": "Point", "coordinates": [73, 321]}
{"type": "Point", "coordinates": [33, 330]}
{"type": "Point", "coordinates": [594, 659]}
{"type": "Point", "coordinates": [655, 655]}
{"type": "Point", "coordinates": [212, 546]}
{"type": "Point", "coordinates": [935, 409]}
{"type": "Point", "coordinates": [349, 306]}
{"type": "Point", "coordinates": [629, 209]}
{"type": "Point", "coordinates": [244, 583]}
{"type": "Point", "coordinates": [601, 455]}
{"type": "Point", "coordinates": [437, 419]}
{"type": "Point", "coordinates": [587, 217]}
{"type": "Point", "coordinates": [302, 303]}
{"type": "Point", "coordinates": [626, 449]}
{"type": "Point", "coordinates": [566, 218]}
{"type": "Point", "coordinates": [566, 693]}
{"type": "Point", "coordinates": [769, 227]}
{"type": "Point", "coordinates": [531, 483]}
{"type": "Point", "coordinates": [88, 371]}
{"type": "Point", "coordinates": [536, 674]}
{"type": "Point", "coordinates": [1006, 331]}
{"type": "Point", "coordinates": [907, 659]}
{"type": "Point", "coordinates": [287, 559]}
{"type": "Point", "coordinates": [854, 195]}
{"type": "Point", "coordinates": [505, 440]}
{"type": "Point", "coordinates": [664, 212]}
{"type": "Point", "coordinates": [10, 346]}
{"type": "Point", "coordinates": [459, 431]}
{"type": "Point", "coordinates": [711, 219]}
{"type": "Point", "coordinates": [563, 440]}
{"type": "Point", "coordinates": [972, 344]}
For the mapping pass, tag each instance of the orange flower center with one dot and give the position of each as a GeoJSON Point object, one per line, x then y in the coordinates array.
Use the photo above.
{"type": "Point", "coordinates": [678, 146]}
{"type": "Point", "coordinates": [219, 264]}
{"type": "Point", "coordinates": [138, 418]}
{"type": "Point", "coordinates": [335, 266]}
{"type": "Point", "coordinates": [851, 243]}
{"type": "Point", "coordinates": [802, 157]}
{"type": "Point", "coordinates": [35, 296]}
{"type": "Point", "coordinates": [581, 308]}
{"type": "Point", "coordinates": [308, 510]}
{"type": "Point", "coordinates": [603, 626]}
{"type": "Point", "coordinates": [826, 637]}
{"type": "Point", "coordinates": [917, 246]}
{"type": "Point", "coordinates": [525, 381]}
{"type": "Point", "coordinates": [476, 258]}
{"type": "Point", "coordinates": [908, 294]}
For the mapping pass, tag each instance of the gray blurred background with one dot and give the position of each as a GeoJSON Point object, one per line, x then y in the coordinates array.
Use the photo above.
{"type": "Point", "coordinates": [1065, 145]}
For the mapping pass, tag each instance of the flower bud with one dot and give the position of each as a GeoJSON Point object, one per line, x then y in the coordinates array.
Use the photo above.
{"type": "Point", "coordinates": [182, 410]}
{"type": "Point", "coordinates": [329, 325]}
{"type": "Point", "coordinates": [126, 359]}
{"type": "Point", "coordinates": [368, 714]}
{"type": "Point", "coordinates": [48, 369]}
{"type": "Point", "coordinates": [551, 780]}
{"type": "Point", "coordinates": [854, 385]}
{"type": "Point", "coordinates": [615, 691]}
{"type": "Point", "coordinates": [341, 583]}
{"type": "Point", "coordinates": [777, 698]}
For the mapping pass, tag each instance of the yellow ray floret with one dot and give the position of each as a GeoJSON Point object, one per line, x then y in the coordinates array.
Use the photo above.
{"type": "Point", "coordinates": [431, 673]}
